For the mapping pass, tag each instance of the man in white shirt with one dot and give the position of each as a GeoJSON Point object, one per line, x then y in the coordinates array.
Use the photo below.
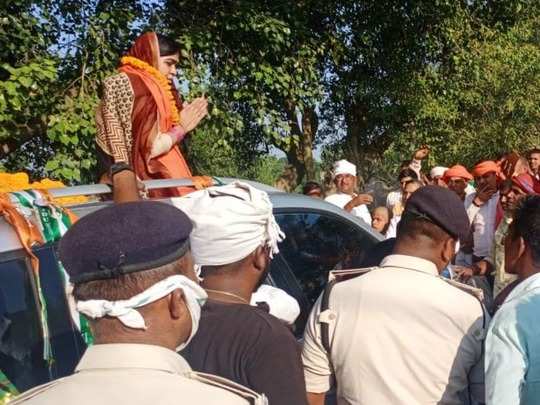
{"type": "Point", "coordinates": [394, 199]}
{"type": "Point", "coordinates": [400, 334]}
{"type": "Point", "coordinates": [481, 209]}
{"type": "Point", "coordinates": [345, 197]}
{"type": "Point", "coordinates": [408, 190]}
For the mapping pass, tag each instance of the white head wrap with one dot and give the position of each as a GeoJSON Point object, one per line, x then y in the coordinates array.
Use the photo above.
{"type": "Point", "coordinates": [229, 223]}
{"type": "Point", "coordinates": [437, 171]}
{"type": "Point", "coordinates": [282, 305]}
{"type": "Point", "coordinates": [344, 167]}
{"type": "Point", "coordinates": [125, 310]}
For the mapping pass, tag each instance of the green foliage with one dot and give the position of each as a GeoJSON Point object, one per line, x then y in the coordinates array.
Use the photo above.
{"type": "Point", "coordinates": [54, 57]}
{"type": "Point", "coordinates": [485, 101]}
{"type": "Point", "coordinates": [462, 78]}
{"type": "Point", "coordinates": [370, 81]}
{"type": "Point", "coordinates": [214, 156]}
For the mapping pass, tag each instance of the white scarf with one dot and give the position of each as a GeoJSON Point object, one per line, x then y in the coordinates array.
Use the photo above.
{"type": "Point", "coordinates": [125, 310]}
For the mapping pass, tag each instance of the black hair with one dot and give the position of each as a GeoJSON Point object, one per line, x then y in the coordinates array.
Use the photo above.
{"type": "Point", "coordinates": [167, 46]}
{"type": "Point", "coordinates": [407, 172]}
{"type": "Point", "coordinates": [416, 182]}
{"type": "Point", "coordinates": [533, 151]}
{"type": "Point", "coordinates": [127, 285]}
{"type": "Point", "coordinates": [526, 224]}
{"type": "Point", "coordinates": [505, 185]}
{"type": "Point", "coordinates": [411, 227]}
{"type": "Point", "coordinates": [310, 186]}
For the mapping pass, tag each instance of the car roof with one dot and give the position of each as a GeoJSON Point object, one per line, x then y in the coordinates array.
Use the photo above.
{"type": "Point", "coordinates": [281, 201]}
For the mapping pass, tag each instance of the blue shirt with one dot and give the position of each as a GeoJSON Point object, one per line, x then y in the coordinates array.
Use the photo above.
{"type": "Point", "coordinates": [513, 348]}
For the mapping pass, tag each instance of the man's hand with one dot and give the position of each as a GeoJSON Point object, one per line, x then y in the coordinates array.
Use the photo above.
{"type": "Point", "coordinates": [125, 187]}
{"type": "Point", "coordinates": [358, 200]}
{"type": "Point", "coordinates": [193, 113]}
{"type": "Point", "coordinates": [482, 268]}
{"type": "Point", "coordinates": [421, 153]}
{"type": "Point", "coordinates": [484, 194]}
{"type": "Point", "coordinates": [361, 199]}
{"type": "Point", "coordinates": [463, 273]}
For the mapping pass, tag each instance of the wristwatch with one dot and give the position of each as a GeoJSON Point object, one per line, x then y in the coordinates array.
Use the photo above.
{"type": "Point", "coordinates": [118, 167]}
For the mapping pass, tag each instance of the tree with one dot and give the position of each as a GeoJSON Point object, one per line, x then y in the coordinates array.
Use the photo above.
{"type": "Point", "coordinates": [371, 80]}
{"type": "Point", "coordinates": [54, 56]}
{"type": "Point", "coordinates": [455, 75]}
{"type": "Point", "coordinates": [262, 67]}
{"type": "Point", "coordinates": [486, 100]}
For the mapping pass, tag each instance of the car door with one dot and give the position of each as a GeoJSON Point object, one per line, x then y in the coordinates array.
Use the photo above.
{"type": "Point", "coordinates": [316, 242]}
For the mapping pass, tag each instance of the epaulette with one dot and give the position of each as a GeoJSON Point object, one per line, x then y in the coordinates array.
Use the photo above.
{"type": "Point", "coordinates": [220, 382]}
{"type": "Point", "coordinates": [475, 292]}
{"type": "Point", "coordinates": [337, 276]}
{"type": "Point", "coordinates": [31, 393]}
{"type": "Point", "coordinates": [479, 295]}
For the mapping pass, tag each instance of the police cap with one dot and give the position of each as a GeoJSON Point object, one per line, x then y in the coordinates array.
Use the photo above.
{"type": "Point", "coordinates": [124, 238]}
{"type": "Point", "coordinates": [441, 206]}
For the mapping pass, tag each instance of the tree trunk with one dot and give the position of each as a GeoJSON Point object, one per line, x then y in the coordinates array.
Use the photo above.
{"type": "Point", "coordinates": [299, 154]}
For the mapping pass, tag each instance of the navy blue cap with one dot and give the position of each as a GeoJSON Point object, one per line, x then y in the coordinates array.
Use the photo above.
{"type": "Point", "coordinates": [441, 206]}
{"type": "Point", "coordinates": [124, 238]}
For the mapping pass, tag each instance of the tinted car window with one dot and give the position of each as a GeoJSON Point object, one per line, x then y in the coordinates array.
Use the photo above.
{"type": "Point", "coordinates": [317, 243]}
{"type": "Point", "coordinates": [21, 342]}
{"type": "Point", "coordinates": [21, 348]}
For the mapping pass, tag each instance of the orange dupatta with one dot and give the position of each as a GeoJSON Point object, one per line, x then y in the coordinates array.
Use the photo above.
{"type": "Point", "coordinates": [171, 164]}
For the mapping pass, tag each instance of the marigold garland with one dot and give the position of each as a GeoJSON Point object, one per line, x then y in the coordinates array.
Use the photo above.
{"type": "Point", "coordinates": [162, 80]}
{"type": "Point", "coordinates": [10, 182]}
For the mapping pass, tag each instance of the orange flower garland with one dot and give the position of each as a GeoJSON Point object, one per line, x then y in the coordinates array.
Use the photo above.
{"type": "Point", "coordinates": [10, 182]}
{"type": "Point", "coordinates": [161, 79]}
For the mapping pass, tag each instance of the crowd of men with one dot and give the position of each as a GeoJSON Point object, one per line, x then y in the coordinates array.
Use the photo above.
{"type": "Point", "coordinates": [448, 315]}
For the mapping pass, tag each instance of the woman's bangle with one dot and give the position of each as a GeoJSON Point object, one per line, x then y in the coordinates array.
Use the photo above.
{"type": "Point", "coordinates": [177, 133]}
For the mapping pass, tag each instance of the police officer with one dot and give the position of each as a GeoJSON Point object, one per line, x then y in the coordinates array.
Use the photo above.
{"type": "Point", "coordinates": [400, 333]}
{"type": "Point", "coordinates": [133, 279]}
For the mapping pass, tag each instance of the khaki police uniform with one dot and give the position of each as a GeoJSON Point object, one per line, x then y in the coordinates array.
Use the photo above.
{"type": "Point", "coordinates": [399, 334]}
{"type": "Point", "coordinates": [138, 374]}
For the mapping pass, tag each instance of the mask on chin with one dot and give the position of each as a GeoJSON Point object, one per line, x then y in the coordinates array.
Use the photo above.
{"type": "Point", "coordinates": [195, 297]}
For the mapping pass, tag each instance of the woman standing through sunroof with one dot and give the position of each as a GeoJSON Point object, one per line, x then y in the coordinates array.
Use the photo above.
{"type": "Point", "coordinates": [141, 120]}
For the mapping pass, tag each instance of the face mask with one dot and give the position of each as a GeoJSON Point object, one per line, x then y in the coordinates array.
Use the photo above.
{"type": "Point", "coordinates": [126, 313]}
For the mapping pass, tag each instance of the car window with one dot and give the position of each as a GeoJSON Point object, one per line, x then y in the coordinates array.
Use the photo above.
{"type": "Point", "coordinates": [21, 341]}
{"type": "Point", "coordinates": [317, 243]}
{"type": "Point", "coordinates": [21, 349]}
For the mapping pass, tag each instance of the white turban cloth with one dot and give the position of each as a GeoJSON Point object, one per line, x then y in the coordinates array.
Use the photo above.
{"type": "Point", "coordinates": [437, 171]}
{"type": "Point", "coordinates": [229, 223]}
{"type": "Point", "coordinates": [344, 167]}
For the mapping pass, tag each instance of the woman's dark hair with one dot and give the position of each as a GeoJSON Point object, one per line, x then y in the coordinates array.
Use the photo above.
{"type": "Point", "coordinates": [407, 173]}
{"type": "Point", "coordinates": [310, 186]}
{"type": "Point", "coordinates": [167, 46]}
